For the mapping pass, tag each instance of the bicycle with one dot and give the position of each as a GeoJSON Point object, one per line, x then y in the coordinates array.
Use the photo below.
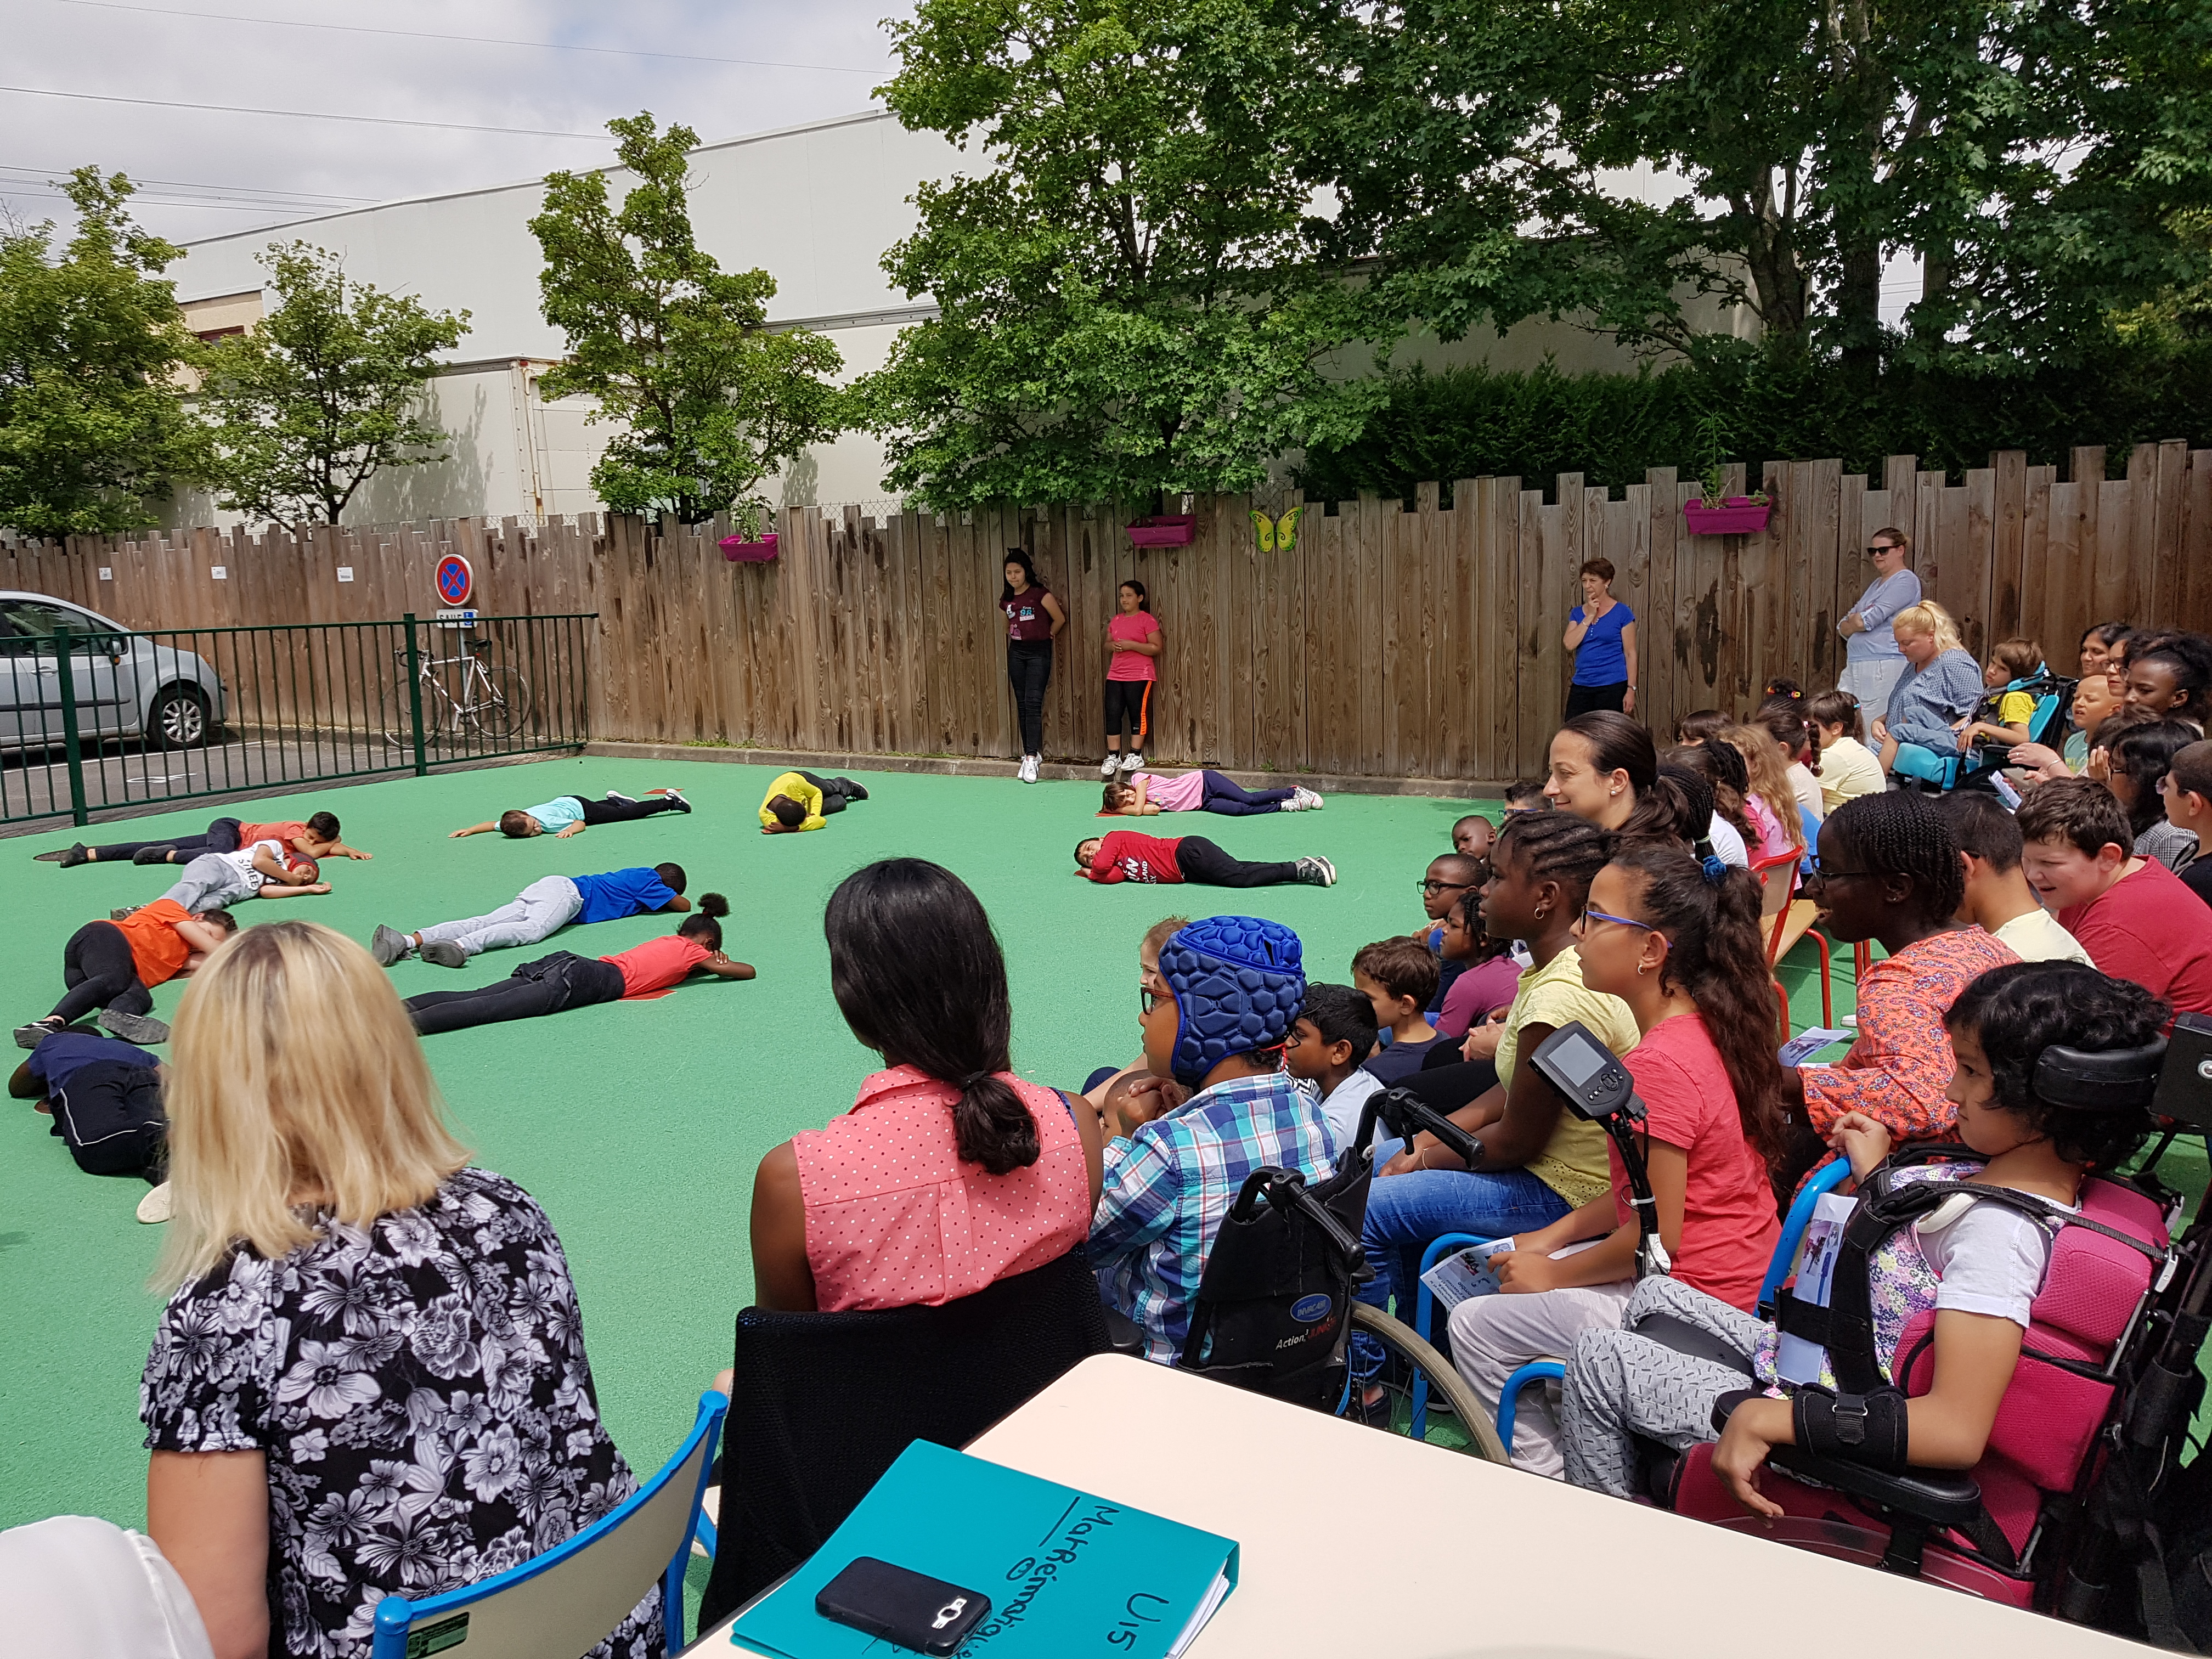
{"type": "Point", "coordinates": [494, 701]}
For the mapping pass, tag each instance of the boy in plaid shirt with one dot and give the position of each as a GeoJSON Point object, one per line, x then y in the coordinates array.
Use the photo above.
{"type": "Point", "coordinates": [1235, 986]}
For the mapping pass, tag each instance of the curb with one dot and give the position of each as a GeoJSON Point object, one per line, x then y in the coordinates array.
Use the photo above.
{"type": "Point", "coordinates": [970, 767]}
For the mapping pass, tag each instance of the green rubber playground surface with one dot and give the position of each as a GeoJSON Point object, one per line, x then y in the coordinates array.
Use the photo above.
{"type": "Point", "coordinates": [637, 1126]}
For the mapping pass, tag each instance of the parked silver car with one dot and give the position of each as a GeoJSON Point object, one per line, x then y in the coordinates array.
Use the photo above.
{"type": "Point", "coordinates": [125, 685]}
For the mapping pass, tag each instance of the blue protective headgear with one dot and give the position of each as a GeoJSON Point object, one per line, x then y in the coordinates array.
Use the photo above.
{"type": "Point", "coordinates": [1238, 983]}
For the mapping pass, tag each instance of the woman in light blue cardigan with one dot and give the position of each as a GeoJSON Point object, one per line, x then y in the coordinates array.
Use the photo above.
{"type": "Point", "coordinates": [1940, 684]}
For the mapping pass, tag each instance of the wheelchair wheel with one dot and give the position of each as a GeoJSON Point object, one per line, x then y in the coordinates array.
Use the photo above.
{"type": "Point", "coordinates": [1470, 1431]}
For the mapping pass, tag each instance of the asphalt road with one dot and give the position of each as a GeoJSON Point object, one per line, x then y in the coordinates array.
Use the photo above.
{"type": "Point", "coordinates": [127, 778]}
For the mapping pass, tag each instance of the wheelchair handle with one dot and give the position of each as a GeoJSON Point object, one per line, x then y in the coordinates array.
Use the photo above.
{"type": "Point", "coordinates": [1286, 1191]}
{"type": "Point", "coordinates": [1405, 1114]}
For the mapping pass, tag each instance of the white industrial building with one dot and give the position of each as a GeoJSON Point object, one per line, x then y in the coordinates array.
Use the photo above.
{"type": "Point", "coordinates": [815, 205]}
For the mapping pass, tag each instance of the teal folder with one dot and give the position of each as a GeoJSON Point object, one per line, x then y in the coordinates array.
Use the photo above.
{"type": "Point", "coordinates": [1065, 1572]}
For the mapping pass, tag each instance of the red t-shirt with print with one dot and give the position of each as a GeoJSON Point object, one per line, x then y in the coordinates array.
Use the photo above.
{"type": "Point", "coordinates": [1728, 1225]}
{"type": "Point", "coordinates": [1131, 855]}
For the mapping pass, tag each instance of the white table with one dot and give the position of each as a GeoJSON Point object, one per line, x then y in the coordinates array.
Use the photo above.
{"type": "Point", "coordinates": [1356, 1541]}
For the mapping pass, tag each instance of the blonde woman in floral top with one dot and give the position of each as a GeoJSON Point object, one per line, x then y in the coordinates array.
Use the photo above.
{"type": "Point", "coordinates": [370, 1378]}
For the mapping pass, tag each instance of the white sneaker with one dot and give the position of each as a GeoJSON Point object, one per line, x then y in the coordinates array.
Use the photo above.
{"type": "Point", "coordinates": [1028, 774]}
{"type": "Point", "coordinates": [1318, 871]}
{"type": "Point", "coordinates": [1307, 799]}
{"type": "Point", "coordinates": [1109, 766]}
{"type": "Point", "coordinates": [1132, 761]}
{"type": "Point", "coordinates": [154, 1206]}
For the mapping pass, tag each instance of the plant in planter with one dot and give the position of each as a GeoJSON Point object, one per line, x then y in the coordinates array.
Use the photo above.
{"type": "Point", "coordinates": [1716, 515]}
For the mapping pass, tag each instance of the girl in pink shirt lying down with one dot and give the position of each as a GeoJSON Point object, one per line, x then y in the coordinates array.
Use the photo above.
{"type": "Point", "coordinates": [1146, 795]}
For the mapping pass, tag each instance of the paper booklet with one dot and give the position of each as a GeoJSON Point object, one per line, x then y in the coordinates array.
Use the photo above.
{"type": "Point", "coordinates": [1468, 1273]}
{"type": "Point", "coordinates": [1796, 1360]}
{"type": "Point", "coordinates": [1065, 1572]}
{"type": "Point", "coordinates": [1802, 1047]}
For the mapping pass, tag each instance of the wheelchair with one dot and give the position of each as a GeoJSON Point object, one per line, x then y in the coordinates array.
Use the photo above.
{"type": "Point", "coordinates": [1917, 767]}
{"type": "Point", "coordinates": [1276, 1313]}
{"type": "Point", "coordinates": [2087, 1504]}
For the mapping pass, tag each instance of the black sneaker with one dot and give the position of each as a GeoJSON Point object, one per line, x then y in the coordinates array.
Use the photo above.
{"type": "Point", "coordinates": [29, 1036]}
{"type": "Point", "coordinates": [853, 791]}
{"type": "Point", "coordinates": [124, 911]}
{"type": "Point", "coordinates": [152, 856]}
{"type": "Point", "coordinates": [73, 856]}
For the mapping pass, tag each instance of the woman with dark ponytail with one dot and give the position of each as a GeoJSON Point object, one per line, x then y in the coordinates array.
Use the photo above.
{"type": "Point", "coordinates": [949, 1173]}
{"type": "Point", "coordinates": [1675, 936]}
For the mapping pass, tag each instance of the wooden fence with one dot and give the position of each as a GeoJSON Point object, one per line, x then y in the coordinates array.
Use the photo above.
{"type": "Point", "coordinates": [1397, 640]}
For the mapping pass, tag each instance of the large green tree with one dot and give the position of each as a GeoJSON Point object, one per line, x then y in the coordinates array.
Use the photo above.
{"type": "Point", "coordinates": [92, 422]}
{"type": "Point", "coordinates": [711, 399]}
{"type": "Point", "coordinates": [324, 393]}
{"type": "Point", "coordinates": [2032, 155]}
{"type": "Point", "coordinates": [1131, 302]}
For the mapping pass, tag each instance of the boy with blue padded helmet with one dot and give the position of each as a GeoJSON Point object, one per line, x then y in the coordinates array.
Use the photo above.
{"type": "Point", "coordinates": [1235, 986]}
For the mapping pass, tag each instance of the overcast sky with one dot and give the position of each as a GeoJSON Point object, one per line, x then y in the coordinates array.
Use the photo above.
{"type": "Point", "coordinates": [220, 172]}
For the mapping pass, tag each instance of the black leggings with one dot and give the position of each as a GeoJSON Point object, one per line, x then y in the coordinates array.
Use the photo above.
{"type": "Point", "coordinates": [1129, 702]}
{"type": "Point", "coordinates": [222, 836]}
{"type": "Point", "coordinates": [547, 986]}
{"type": "Point", "coordinates": [1224, 794]}
{"type": "Point", "coordinates": [837, 793]}
{"type": "Point", "coordinates": [97, 968]}
{"type": "Point", "coordinates": [1202, 861]}
{"type": "Point", "coordinates": [611, 810]}
{"type": "Point", "coordinates": [1029, 669]}
{"type": "Point", "coordinates": [1586, 699]}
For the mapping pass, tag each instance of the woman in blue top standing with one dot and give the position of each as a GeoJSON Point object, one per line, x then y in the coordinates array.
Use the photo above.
{"type": "Point", "coordinates": [1872, 661]}
{"type": "Point", "coordinates": [1601, 633]}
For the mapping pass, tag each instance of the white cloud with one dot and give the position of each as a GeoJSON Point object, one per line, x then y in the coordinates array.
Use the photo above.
{"type": "Point", "coordinates": [223, 173]}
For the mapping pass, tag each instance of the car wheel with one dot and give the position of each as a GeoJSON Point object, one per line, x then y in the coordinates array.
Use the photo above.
{"type": "Point", "coordinates": [179, 719]}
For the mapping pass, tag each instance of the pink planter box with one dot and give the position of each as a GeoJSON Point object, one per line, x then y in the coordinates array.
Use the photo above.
{"type": "Point", "coordinates": [1739, 515]}
{"type": "Point", "coordinates": [1169, 530]}
{"type": "Point", "coordinates": [736, 548]}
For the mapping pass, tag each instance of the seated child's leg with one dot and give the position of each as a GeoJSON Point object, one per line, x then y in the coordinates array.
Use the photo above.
{"type": "Point", "coordinates": [1406, 1212]}
{"type": "Point", "coordinates": [1493, 1336]}
{"type": "Point", "coordinates": [1621, 1384]}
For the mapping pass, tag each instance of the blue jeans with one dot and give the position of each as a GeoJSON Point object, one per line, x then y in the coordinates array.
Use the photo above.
{"type": "Point", "coordinates": [1406, 1213]}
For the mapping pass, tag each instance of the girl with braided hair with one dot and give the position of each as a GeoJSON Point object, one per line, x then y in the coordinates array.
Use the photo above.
{"type": "Point", "coordinates": [949, 1173]}
{"type": "Point", "coordinates": [1540, 1161]}
{"type": "Point", "coordinates": [1888, 871]}
{"type": "Point", "coordinates": [1676, 938]}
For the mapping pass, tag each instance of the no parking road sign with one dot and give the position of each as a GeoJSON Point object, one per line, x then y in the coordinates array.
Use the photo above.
{"type": "Point", "coordinates": [455, 580]}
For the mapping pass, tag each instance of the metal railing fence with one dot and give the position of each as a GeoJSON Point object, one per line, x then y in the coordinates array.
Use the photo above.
{"type": "Point", "coordinates": [93, 722]}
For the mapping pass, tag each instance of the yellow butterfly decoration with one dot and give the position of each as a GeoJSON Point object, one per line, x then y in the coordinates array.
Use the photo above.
{"type": "Point", "coordinates": [1277, 535]}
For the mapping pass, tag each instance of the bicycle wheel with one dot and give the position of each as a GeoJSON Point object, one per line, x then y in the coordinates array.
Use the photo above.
{"type": "Point", "coordinates": [396, 716]}
{"type": "Point", "coordinates": [1470, 1431]}
{"type": "Point", "coordinates": [498, 703]}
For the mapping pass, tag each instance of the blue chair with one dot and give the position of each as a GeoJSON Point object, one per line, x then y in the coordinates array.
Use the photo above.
{"type": "Point", "coordinates": [1830, 1176]}
{"type": "Point", "coordinates": [1948, 770]}
{"type": "Point", "coordinates": [567, 1600]}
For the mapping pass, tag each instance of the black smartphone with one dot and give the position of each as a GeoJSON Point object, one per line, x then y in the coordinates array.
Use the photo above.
{"type": "Point", "coordinates": [925, 1614]}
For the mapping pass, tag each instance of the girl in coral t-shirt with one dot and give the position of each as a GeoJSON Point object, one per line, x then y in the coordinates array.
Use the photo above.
{"type": "Point", "coordinates": [1133, 647]}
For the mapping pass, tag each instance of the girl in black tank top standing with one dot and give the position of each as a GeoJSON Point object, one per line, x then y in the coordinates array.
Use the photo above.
{"type": "Point", "coordinates": [1033, 619]}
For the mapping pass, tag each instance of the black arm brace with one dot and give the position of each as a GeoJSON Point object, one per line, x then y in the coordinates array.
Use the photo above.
{"type": "Point", "coordinates": [1856, 1428]}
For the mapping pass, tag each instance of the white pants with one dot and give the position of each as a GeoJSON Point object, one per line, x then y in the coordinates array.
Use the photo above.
{"type": "Point", "coordinates": [1494, 1336]}
{"type": "Point", "coordinates": [213, 880]}
{"type": "Point", "coordinates": [538, 911]}
{"type": "Point", "coordinates": [1871, 682]}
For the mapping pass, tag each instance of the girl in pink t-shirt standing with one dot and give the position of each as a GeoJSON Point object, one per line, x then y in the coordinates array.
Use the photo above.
{"type": "Point", "coordinates": [1133, 645]}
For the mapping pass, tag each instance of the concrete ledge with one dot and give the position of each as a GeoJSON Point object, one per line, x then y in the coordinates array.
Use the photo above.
{"type": "Point", "coordinates": [956, 766]}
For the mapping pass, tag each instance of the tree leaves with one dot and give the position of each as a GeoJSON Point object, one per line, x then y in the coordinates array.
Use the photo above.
{"type": "Point", "coordinates": [324, 394]}
{"type": "Point", "coordinates": [711, 399]}
{"type": "Point", "coordinates": [91, 419]}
